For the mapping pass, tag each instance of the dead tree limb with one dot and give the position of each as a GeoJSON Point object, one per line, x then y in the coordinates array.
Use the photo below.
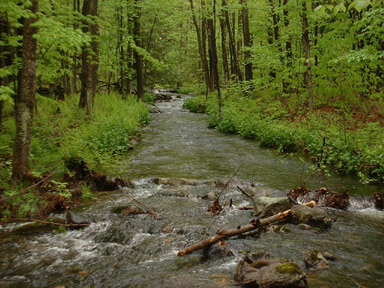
{"type": "Point", "coordinates": [150, 211]}
{"type": "Point", "coordinates": [38, 183]}
{"type": "Point", "coordinates": [224, 234]}
{"type": "Point", "coordinates": [53, 223]}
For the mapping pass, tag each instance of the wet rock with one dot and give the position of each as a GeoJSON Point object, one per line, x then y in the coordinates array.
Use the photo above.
{"type": "Point", "coordinates": [132, 210]}
{"type": "Point", "coordinates": [118, 209]}
{"type": "Point", "coordinates": [75, 218]}
{"type": "Point", "coordinates": [277, 229]}
{"type": "Point", "coordinates": [175, 181]}
{"type": "Point", "coordinates": [315, 260]}
{"type": "Point", "coordinates": [273, 273]}
{"type": "Point", "coordinates": [209, 196]}
{"type": "Point", "coordinates": [153, 109]}
{"type": "Point", "coordinates": [162, 97]}
{"type": "Point", "coordinates": [379, 200]}
{"type": "Point", "coordinates": [311, 216]}
{"type": "Point", "coordinates": [268, 206]}
{"type": "Point", "coordinates": [303, 226]}
{"type": "Point", "coordinates": [101, 183]}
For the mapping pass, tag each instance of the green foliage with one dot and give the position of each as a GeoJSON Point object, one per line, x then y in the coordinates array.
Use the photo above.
{"type": "Point", "coordinates": [149, 98]}
{"type": "Point", "coordinates": [86, 192]}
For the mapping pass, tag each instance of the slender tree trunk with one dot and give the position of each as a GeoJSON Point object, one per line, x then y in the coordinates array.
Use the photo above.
{"type": "Point", "coordinates": [202, 53]}
{"type": "Point", "coordinates": [307, 50]}
{"type": "Point", "coordinates": [232, 42]}
{"type": "Point", "coordinates": [212, 36]}
{"type": "Point", "coordinates": [130, 60]}
{"type": "Point", "coordinates": [288, 50]}
{"type": "Point", "coordinates": [76, 8]}
{"type": "Point", "coordinates": [3, 49]}
{"type": "Point", "coordinates": [211, 57]}
{"type": "Point", "coordinates": [89, 59]}
{"type": "Point", "coordinates": [224, 48]}
{"type": "Point", "coordinates": [138, 57]}
{"type": "Point", "coordinates": [25, 99]}
{"type": "Point", "coordinates": [247, 41]}
{"type": "Point", "coordinates": [204, 30]}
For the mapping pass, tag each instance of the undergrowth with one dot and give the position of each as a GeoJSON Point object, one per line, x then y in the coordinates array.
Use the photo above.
{"type": "Point", "coordinates": [63, 133]}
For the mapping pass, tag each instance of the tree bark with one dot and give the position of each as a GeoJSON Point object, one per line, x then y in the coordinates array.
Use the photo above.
{"type": "Point", "coordinates": [25, 98]}
{"type": "Point", "coordinates": [288, 50]}
{"type": "Point", "coordinates": [202, 50]}
{"type": "Point", "coordinates": [139, 58]}
{"type": "Point", "coordinates": [232, 42]}
{"type": "Point", "coordinates": [224, 234]}
{"type": "Point", "coordinates": [247, 41]}
{"type": "Point", "coordinates": [89, 59]}
{"type": "Point", "coordinates": [3, 49]}
{"type": "Point", "coordinates": [307, 50]}
{"type": "Point", "coordinates": [212, 36]}
{"type": "Point", "coordinates": [224, 48]}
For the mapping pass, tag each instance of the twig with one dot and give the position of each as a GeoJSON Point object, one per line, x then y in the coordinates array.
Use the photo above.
{"type": "Point", "coordinates": [38, 183]}
{"type": "Point", "coordinates": [246, 208]}
{"type": "Point", "coordinates": [51, 223]}
{"type": "Point", "coordinates": [229, 181]}
{"type": "Point", "coordinates": [252, 199]}
{"type": "Point", "coordinates": [150, 211]}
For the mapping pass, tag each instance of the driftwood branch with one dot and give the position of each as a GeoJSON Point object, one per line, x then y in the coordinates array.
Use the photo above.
{"type": "Point", "coordinates": [52, 223]}
{"type": "Point", "coordinates": [150, 211]}
{"type": "Point", "coordinates": [224, 234]}
{"type": "Point", "coordinates": [38, 183]}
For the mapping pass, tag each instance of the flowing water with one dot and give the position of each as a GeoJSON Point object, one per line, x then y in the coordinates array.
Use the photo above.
{"type": "Point", "coordinates": [137, 251]}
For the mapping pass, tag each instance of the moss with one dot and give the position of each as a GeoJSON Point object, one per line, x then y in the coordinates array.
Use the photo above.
{"type": "Point", "coordinates": [288, 268]}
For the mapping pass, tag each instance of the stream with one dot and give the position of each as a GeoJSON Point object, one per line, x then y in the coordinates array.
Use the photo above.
{"type": "Point", "coordinates": [138, 251]}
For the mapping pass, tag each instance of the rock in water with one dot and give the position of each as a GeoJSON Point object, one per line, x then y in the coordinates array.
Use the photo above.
{"type": "Point", "coordinates": [132, 210]}
{"type": "Point", "coordinates": [74, 218]}
{"type": "Point", "coordinates": [269, 206]}
{"type": "Point", "coordinates": [272, 274]}
{"type": "Point", "coordinates": [311, 216]}
{"type": "Point", "coordinates": [315, 260]}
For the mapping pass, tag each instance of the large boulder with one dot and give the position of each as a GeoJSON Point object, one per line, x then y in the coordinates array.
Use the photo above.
{"type": "Point", "coordinates": [75, 218]}
{"type": "Point", "coordinates": [269, 273]}
{"type": "Point", "coordinates": [313, 216]}
{"type": "Point", "coordinates": [268, 206]}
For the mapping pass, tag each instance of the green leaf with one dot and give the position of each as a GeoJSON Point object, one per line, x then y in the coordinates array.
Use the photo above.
{"type": "Point", "coordinates": [359, 5]}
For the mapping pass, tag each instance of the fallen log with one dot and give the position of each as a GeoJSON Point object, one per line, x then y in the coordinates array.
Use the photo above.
{"type": "Point", "coordinates": [224, 234]}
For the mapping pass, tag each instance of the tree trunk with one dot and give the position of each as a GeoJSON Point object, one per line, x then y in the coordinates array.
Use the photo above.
{"type": "Point", "coordinates": [204, 30]}
{"type": "Point", "coordinates": [25, 99]}
{"type": "Point", "coordinates": [288, 50]}
{"type": "Point", "coordinates": [247, 41]}
{"type": "Point", "coordinates": [3, 49]}
{"type": "Point", "coordinates": [212, 36]}
{"type": "Point", "coordinates": [202, 51]}
{"type": "Point", "coordinates": [307, 50]}
{"type": "Point", "coordinates": [232, 43]}
{"type": "Point", "coordinates": [212, 79]}
{"type": "Point", "coordinates": [138, 57]}
{"type": "Point", "coordinates": [89, 59]}
{"type": "Point", "coordinates": [224, 48]}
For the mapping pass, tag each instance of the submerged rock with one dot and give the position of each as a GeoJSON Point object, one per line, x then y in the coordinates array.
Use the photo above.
{"type": "Point", "coordinates": [268, 206]}
{"type": "Point", "coordinates": [269, 273]}
{"type": "Point", "coordinates": [153, 109]}
{"type": "Point", "coordinates": [311, 216]}
{"type": "Point", "coordinates": [315, 260]}
{"type": "Point", "coordinates": [175, 181]}
{"type": "Point", "coordinates": [379, 200]}
{"type": "Point", "coordinates": [132, 210]}
{"type": "Point", "coordinates": [75, 218]}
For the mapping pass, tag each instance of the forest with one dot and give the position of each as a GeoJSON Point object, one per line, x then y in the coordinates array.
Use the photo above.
{"type": "Point", "coordinates": [137, 134]}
